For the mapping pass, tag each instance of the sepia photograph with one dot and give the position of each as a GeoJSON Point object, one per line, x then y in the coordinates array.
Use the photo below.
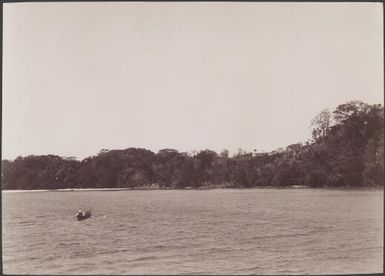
{"type": "Point", "coordinates": [192, 138]}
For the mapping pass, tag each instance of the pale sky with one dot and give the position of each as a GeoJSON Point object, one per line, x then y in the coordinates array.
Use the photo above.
{"type": "Point", "coordinates": [80, 77]}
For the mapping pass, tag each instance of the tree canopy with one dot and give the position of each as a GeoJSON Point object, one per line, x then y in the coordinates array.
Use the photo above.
{"type": "Point", "coordinates": [347, 149]}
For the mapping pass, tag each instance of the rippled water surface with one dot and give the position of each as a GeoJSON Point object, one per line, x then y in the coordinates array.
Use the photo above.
{"type": "Point", "coordinates": [253, 231]}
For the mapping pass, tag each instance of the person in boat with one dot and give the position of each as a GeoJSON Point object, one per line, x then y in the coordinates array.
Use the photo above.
{"type": "Point", "coordinates": [80, 214]}
{"type": "Point", "coordinates": [83, 215]}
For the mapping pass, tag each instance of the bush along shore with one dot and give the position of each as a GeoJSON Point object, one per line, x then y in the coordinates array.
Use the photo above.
{"type": "Point", "coordinates": [346, 149]}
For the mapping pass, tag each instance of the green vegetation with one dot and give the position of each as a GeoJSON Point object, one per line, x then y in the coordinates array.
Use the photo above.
{"type": "Point", "coordinates": [347, 149]}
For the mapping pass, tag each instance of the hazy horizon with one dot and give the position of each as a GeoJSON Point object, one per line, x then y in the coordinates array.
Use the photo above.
{"type": "Point", "coordinates": [81, 77]}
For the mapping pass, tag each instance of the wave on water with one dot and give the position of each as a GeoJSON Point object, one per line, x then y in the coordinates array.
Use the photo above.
{"type": "Point", "coordinates": [146, 258]}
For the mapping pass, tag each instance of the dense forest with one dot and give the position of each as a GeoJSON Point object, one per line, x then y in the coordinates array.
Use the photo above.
{"type": "Point", "coordinates": [346, 149]}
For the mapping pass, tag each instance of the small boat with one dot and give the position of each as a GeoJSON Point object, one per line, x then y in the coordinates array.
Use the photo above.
{"type": "Point", "coordinates": [83, 215]}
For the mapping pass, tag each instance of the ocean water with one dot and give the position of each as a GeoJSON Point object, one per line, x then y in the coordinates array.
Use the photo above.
{"type": "Point", "coordinates": [250, 231]}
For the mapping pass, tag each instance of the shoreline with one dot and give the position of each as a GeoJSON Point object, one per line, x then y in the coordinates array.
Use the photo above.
{"type": "Point", "coordinates": [194, 189]}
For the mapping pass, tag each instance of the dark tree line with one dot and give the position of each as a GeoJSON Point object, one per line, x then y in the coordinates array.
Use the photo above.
{"type": "Point", "coordinates": [347, 149]}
